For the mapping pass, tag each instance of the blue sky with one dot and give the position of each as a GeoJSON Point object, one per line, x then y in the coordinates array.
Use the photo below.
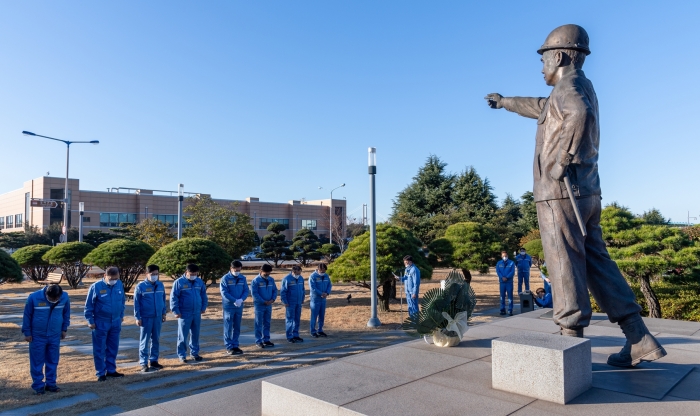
{"type": "Point", "coordinates": [274, 99]}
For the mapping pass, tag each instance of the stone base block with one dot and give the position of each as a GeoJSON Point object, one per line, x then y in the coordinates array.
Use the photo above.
{"type": "Point", "coordinates": [557, 368]}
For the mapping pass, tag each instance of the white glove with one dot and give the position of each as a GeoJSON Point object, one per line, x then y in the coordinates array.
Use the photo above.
{"type": "Point", "coordinates": [238, 303]}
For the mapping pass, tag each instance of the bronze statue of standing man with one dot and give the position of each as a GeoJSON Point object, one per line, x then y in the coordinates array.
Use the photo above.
{"type": "Point", "coordinates": [566, 153]}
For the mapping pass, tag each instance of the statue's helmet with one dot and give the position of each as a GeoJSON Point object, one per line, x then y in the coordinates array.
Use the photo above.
{"type": "Point", "coordinates": [566, 37]}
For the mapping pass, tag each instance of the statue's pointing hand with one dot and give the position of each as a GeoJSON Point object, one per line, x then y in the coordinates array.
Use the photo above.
{"type": "Point", "coordinates": [494, 100]}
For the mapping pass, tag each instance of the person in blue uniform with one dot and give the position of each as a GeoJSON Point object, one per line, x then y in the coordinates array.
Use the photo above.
{"type": "Point", "coordinates": [505, 269]}
{"type": "Point", "coordinates": [292, 295]}
{"type": "Point", "coordinates": [523, 262]}
{"type": "Point", "coordinates": [320, 287]}
{"type": "Point", "coordinates": [45, 322]}
{"type": "Point", "coordinates": [188, 301]}
{"type": "Point", "coordinates": [104, 311]}
{"type": "Point", "coordinates": [150, 311]}
{"type": "Point", "coordinates": [411, 279]}
{"type": "Point", "coordinates": [234, 291]}
{"type": "Point", "coordinates": [264, 290]}
{"type": "Point", "coordinates": [543, 299]}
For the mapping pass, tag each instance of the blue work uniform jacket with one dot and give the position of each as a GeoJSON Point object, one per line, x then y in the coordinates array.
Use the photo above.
{"type": "Point", "coordinates": [149, 300]}
{"type": "Point", "coordinates": [523, 262]}
{"type": "Point", "coordinates": [233, 288]}
{"type": "Point", "coordinates": [188, 298]}
{"type": "Point", "coordinates": [505, 269]}
{"type": "Point", "coordinates": [545, 302]}
{"type": "Point", "coordinates": [411, 277]}
{"type": "Point", "coordinates": [264, 289]}
{"type": "Point", "coordinates": [105, 302]}
{"type": "Point", "coordinates": [43, 318]}
{"type": "Point", "coordinates": [319, 283]}
{"type": "Point", "coordinates": [293, 290]}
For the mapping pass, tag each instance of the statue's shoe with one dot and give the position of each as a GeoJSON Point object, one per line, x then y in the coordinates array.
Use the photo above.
{"type": "Point", "coordinates": [640, 345]}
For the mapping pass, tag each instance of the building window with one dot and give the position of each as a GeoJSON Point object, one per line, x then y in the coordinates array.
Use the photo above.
{"type": "Point", "coordinates": [2, 223]}
{"type": "Point", "coordinates": [27, 206]}
{"type": "Point", "coordinates": [18, 221]}
{"type": "Point", "coordinates": [309, 224]}
{"type": "Point", "coordinates": [265, 222]}
{"type": "Point", "coordinates": [86, 219]}
{"type": "Point", "coordinates": [115, 219]}
{"type": "Point", "coordinates": [8, 221]}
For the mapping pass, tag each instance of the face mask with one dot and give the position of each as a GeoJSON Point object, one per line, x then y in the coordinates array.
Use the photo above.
{"type": "Point", "coordinates": [192, 277]}
{"type": "Point", "coordinates": [505, 258]}
{"type": "Point", "coordinates": [153, 278]}
{"type": "Point", "coordinates": [522, 253]}
{"type": "Point", "coordinates": [236, 273]}
{"type": "Point", "coordinates": [111, 282]}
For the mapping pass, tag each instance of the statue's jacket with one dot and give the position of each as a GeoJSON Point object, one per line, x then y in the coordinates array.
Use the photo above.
{"type": "Point", "coordinates": [567, 124]}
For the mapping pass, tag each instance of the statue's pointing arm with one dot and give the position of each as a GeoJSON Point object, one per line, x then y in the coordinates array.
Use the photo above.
{"type": "Point", "coordinates": [529, 107]}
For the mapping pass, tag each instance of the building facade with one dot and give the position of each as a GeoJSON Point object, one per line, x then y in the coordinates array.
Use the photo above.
{"type": "Point", "coordinates": [116, 206]}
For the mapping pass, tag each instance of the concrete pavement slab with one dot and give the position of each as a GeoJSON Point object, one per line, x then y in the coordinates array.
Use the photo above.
{"type": "Point", "coordinates": [679, 342]}
{"type": "Point", "coordinates": [665, 325]}
{"type": "Point", "coordinates": [105, 411]}
{"type": "Point", "coordinates": [469, 348]}
{"type": "Point", "coordinates": [688, 388]}
{"type": "Point", "coordinates": [50, 405]}
{"type": "Point", "coordinates": [410, 399]}
{"type": "Point", "coordinates": [526, 324]}
{"type": "Point", "coordinates": [409, 362]}
{"type": "Point", "coordinates": [653, 380]}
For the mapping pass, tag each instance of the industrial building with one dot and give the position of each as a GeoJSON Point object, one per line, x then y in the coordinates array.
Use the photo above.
{"type": "Point", "coordinates": [119, 205]}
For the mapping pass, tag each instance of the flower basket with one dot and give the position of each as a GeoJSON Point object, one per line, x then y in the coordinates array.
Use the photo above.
{"type": "Point", "coordinates": [445, 338]}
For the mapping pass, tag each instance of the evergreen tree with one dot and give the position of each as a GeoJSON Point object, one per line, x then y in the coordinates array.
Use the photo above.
{"type": "Point", "coordinates": [474, 196]}
{"type": "Point", "coordinates": [305, 246]}
{"type": "Point", "coordinates": [654, 217]}
{"type": "Point", "coordinates": [275, 246]}
{"type": "Point", "coordinates": [32, 263]}
{"type": "Point", "coordinates": [393, 243]}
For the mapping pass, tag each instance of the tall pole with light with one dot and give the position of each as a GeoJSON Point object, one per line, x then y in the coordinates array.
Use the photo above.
{"type": "Point", "coordinates": [65, 190]}
{"type": "Point", "coordinates": [332, 213]}
{"type": "Point", "coordinates": [180, 198]}
{"type": "Point", "coordinates": [373, 321]}
{"type": "Point", "coordinates": [80, 226]}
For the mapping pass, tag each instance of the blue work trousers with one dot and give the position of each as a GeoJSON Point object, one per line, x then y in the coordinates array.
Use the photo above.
{"type": "Point", "coordinates": [232, 327]}
{"type": "Point", "coordinates": [149, 339]}
{"type": "Point", "coordinates": [318, 314]}
{"type": "Point", "coordinates": [506, 288]}
{"type": "Point", "coordinates": [105, 345]}
{"type": "Point", "coordinates": [263, 316]}
{"type": "Point", "coordinates": [188, 326]}
{"type": "Point", "coordinates": [523, 277]}
{"type": "Point", "coordinates": [292, 318]}
{"type": "Point", "coordinates": [43, 352]}
{"type": "Point", "coordinates": [412, 304]}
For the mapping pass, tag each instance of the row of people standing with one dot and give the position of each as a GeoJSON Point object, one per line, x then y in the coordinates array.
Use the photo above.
{"type": "Point", "coordinates": [47, 316]}
{"type": "Point", "coordinates": [506, 269]}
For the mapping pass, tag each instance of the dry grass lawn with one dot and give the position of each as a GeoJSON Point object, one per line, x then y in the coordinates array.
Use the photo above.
{"type": "Point", "coordinates": [76, 372]}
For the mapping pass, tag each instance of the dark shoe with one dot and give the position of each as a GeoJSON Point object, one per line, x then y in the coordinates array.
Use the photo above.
{"type": "Point", "coordinates": [39, 392]}
{"type": "Point", "coordinates": [298, 339]}
{"type": "Point", "coordinates": [268, 344]}
{"type": "Point", "coordinates": [577, 333]}
{"type": "Point", "coordinates": [229, 351]}
{"type": "Point", "coordinates": [503, 312]}
{"type": "Point", "coordinates": [237, 351]}
{"type": "Point", "coordinates": [52, 389]}
{"type": "Point", "coordinates": [115, 375]}
{"type": "Point", "coordinates": [322, 334]}
{"type": "Point", "coordinates": [102, 378]}
{"type": "Point", "coordinates": [314, 335]}
{"type": "Point", "coordinates": [510, 313]}
{"type": "Point", "coordinates": [154, 364]}
{"type": "Point", "coordinates": [144, 368]}
{"type": "Point", "coordinates": [196, 357]}
{"type": "Point", "coordinates": [291, 340]}
{"type": "Point", "coordinates": [640, 345]}
{"type": "Point", "coordinates": [183, 360]}
{"type": "Point", "coordinates": [260, 344]}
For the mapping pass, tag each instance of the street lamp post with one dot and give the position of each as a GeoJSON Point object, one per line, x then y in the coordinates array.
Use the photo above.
{"type": "Point", "coordinates": [331, 216]}
{"type": "Point", "coordinates": [80, 226]}
{"type": "Point", "coordinates": [65, 191]}
{"type": "Point", "coordinates": [373, 321]}
{"type": "Point", "coordinates": [180, 198]}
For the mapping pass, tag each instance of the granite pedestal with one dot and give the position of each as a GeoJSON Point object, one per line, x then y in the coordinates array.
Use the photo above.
{"type": "Point", "coordinates": [558, 369]}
